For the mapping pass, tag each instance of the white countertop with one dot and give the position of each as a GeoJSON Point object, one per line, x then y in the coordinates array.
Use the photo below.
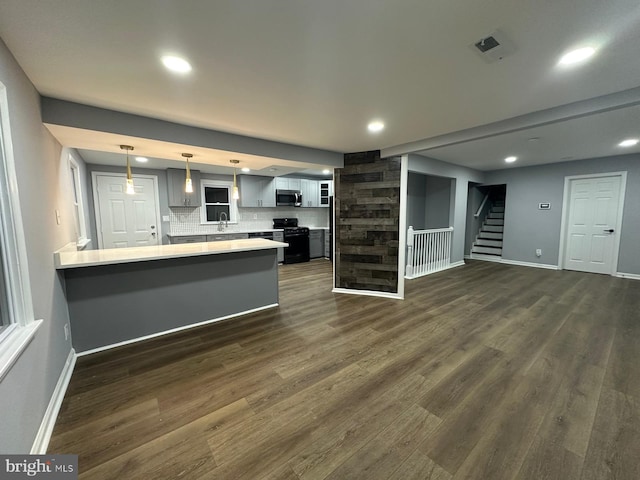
{"type": "Point", "coordinates": [89, 258]}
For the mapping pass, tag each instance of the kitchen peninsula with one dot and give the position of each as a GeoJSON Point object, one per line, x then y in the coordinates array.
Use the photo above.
{"type": "Point", "coordinates": [122, 295]}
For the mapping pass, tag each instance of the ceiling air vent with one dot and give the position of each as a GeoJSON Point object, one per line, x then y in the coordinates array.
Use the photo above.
{"type": "Point", "coordinates": [493, 47]}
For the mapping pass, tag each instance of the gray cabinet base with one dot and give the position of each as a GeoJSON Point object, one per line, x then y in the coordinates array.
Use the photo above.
{"type": "Point", "coordinates": [115, 304]}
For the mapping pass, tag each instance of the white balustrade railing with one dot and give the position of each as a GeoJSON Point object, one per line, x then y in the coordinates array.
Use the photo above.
{"type": "Point", "coordinates": [428, 251]}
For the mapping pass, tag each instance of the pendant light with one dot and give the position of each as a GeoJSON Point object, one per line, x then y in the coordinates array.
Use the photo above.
{"type": "Point", "coordinates": [130, 190]}
{"type": "Point", "coordinates": [235, 194]}
{"type": "Point", "coordinates": [188, 185]}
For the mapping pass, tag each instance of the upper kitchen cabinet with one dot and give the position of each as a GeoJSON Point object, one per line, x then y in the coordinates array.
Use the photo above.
{"type": "Point", "coordinates": [256, 191]}
{"type": "Point", "coordinates": [310, 193]}
{"type": "Point", "coordinates": [176, 183]}
{"type": "Point", "coordinates": [286, 183]}
{"type": "Point", "coordinates": [325, 192]}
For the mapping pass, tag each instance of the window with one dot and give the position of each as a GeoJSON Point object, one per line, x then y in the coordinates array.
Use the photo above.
{"type": "Point", "coordinates": [77, 202]}
{"type": "Point", "coordinates": [217, 203]}
{"type": "Point", "coordinates": [17, 326]}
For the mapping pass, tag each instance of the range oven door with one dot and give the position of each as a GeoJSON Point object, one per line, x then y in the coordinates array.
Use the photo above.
{"type": "Point", "coordinates": [298, 249]}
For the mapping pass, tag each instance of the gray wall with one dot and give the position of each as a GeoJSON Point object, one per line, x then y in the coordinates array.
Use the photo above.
{"type": "Point", "coordinates": [43, 186]}
{"type": "Point", "coordinates": [429, 201]}
{"type": "Point", "coordinates": [527, 228]}
{"type": "Point", "coordinates": [440, 193]}
{"type": "Point", "coordinates": [61, 112]}
{"type": "Point", "coordinates": [462, 176]}
{"type": "Point", "coordinates": [416, 201]}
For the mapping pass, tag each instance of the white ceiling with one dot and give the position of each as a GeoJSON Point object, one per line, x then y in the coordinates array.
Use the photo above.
{"type": "Point", "coordinates": [314, 73]}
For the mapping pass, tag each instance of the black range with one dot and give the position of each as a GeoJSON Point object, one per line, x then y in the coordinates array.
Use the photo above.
{"type": "Point", "coordinates": [297, 238]}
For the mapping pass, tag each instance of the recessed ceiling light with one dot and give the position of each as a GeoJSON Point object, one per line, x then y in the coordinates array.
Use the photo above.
{"type": "Point", "coordinates": [576, 56]}
{"type": "Point", "coordinates": [629, 142]}
{"type": "Point", "coordinates": [246, 169]}
{"type": "Point", "coordinates": [326, 171]}
{"type": "Point", "coordinates": [176, 64]}
{"type": "Point", "coordinates": [142, 159]}
{"type": "Point", "coordinates": [375, 126]}
{"type": "Point", "coordinates": [510, 159]}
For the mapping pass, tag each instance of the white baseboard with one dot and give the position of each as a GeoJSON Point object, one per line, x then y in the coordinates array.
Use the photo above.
{"type": "Point", "coordinates": [632, 276]}
{"type": "Point", "coordinates": [370, 293]}
{"type": "Point", "coordinates": [41, 442]}
{"type": "Point", "coordinates": [530, 264]}
{"type": "Point", "coordinates": [173, 330]}
{"type": "Point", "coordinates": [453, 265]}
{"type": "Point", "coordinates": [489, 258]}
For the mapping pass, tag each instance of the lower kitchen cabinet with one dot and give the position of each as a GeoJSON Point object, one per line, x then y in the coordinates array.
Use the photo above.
{"type": "Point", "coordinates": [219, 237]}
{"type": "Point", "coordinates": [279, 237]}
{"type": "Point", "coordinates": [327, 244]}
{"type": "Point", "coordinates": [316, 243]}
{"type": "Point", "coordinates": [188, 239]}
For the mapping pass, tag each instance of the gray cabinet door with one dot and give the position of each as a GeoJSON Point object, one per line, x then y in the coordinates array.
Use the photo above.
{"type": "Point", "coordinates": [176, 182]}
{"type": "Point", "coordinates": [257, 191]}
{"type": "Point", "coordinates": [310, 193]}
{"type": "Point", "coordinates": [279, 237]}
{"type": "Point", "coordinates": [188, 239]}
{"type": "Point", "coordinates": [316, 243]}
{"type": "Point", "coordinates": [325, 188]}
{"type": "Point", "coordinates": [219, 237]}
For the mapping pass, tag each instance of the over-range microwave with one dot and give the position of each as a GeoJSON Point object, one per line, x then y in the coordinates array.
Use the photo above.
{"type": "Point", "coordinates": [288, 198]}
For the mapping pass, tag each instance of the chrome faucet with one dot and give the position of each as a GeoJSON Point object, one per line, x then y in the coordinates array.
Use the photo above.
{"type": "Point", "coordinates": [222, 226]}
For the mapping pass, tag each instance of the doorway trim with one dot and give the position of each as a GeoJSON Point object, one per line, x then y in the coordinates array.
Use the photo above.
{"type": "Point", "coordinates": [96, 205]}
{"type": "Point", "coordinates": [566, 197]}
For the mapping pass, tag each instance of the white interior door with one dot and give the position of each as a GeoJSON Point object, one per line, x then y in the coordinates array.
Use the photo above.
{"type": "Point", "coordinates": [126, 220]}
{"type": "Point", "coordinates": [592, 236]}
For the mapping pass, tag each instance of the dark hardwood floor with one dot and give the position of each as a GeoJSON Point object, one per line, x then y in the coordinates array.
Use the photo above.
{"type": "Point", "coordinates": [484, 372]}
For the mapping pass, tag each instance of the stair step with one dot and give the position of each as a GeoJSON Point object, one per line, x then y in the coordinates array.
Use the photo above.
{"type": "Point", "coordinates": [494, 221]}
{"type": "Point", "coordinates": [495, 215]}
{"type": "Point", "coordinates": [495, 209]}
{"type": "Point", "coordinates": [490, 235]}
{"type": "Point", "coordinates": [492, 228]}
{"type": "Point", "coordinates": [484, 242]}
{"type": "Point", "coordinates": [486, 250]}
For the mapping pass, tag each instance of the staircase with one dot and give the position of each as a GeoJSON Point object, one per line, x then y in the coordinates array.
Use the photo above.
{"type": "Point", "coordinates": [489, 239]}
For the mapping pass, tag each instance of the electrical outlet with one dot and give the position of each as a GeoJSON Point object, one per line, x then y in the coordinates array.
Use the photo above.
{"type": "Point", "coordinates": [58, 221]}
{"type": "Point", "coordinates": [66, 331]}
{"type": "Point", "coordinates": [538, 252]}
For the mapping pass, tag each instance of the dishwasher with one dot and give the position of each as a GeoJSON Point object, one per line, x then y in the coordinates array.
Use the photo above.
{"type": "Point", "coordinates": [270, 236]}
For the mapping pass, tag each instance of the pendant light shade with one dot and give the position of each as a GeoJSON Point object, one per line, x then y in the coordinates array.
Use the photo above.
{"type": "Point", "coordinates": [235, 194]}
{"type": "Point", "coordinates": [188, 184]}
{"type": "Point", "coordinates": [130, 189]}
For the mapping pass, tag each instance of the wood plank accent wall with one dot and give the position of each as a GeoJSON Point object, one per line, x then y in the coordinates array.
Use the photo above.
{"type": "Point", "coordinates": [367, 206]}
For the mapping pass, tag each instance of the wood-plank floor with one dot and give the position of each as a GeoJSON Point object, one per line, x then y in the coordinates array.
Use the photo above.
{"type": "Point", "coordinates": [484, 372]}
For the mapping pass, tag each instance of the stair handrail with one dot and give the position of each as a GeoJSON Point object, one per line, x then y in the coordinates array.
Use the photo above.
{"type": "Point", "coordinates": [477, 214]}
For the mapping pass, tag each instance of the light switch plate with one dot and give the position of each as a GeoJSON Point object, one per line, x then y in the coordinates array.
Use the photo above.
{"type": "Point", "coordinates": [165, 218]}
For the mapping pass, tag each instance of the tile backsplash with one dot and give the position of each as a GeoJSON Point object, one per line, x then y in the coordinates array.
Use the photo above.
{"type": "Point", "coordinates": [186, 220]}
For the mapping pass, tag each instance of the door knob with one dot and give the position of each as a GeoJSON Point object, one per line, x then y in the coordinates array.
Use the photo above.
{"type": "Point", "coordinates": [610, 230]}
{"type": "Point", "coordinates": [152, 227]}
{"type": "Point", "coordinates": [153, 234]}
